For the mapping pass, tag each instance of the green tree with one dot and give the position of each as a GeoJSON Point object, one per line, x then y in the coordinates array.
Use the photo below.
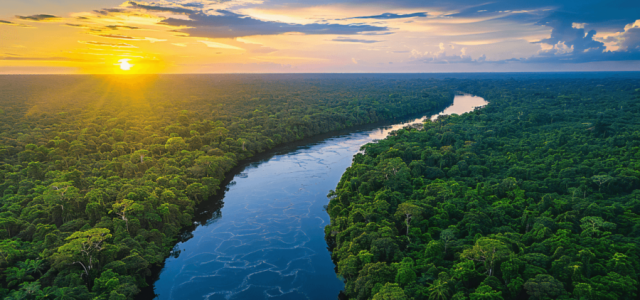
{"type": "Point", "coordinates": [600, 180]}
{"type": "Point", "coordinates": [544, 286]}
{"type": "Point", "coordinates": [141, 154]}
{"type": "Point", "coordinates": [592, 226]}
{"type": "Point", "coordinates": [488, 251]}
{"type": "Point", "coordinates": [31, 288]}
{"type": "Point", "coordinates": [15, 276]}
{"type": "Point", "coordinates": [408, 212]}
{"type": "Point", "coordinates": [615, 286]}
{"type": "Point", "coordinates": [83, 247]}
{"type": "Point", "coordinates": [439, 290]}
{"type": "Point", "coordinates": [369, 276]}
{"type": "Point", "coordinates": [584, 291]}
{"type": "Point", "coordinates": [9, 250]}
{"type": "Point", "coordinates": [485, 292]}
{"type": "Point", "coordinates": [33, 266]}
{"type": "Point", "coordinates": [448, 237]}
{"type": "Point", "coordinates": [175, 144]}
{"type": "Point", "coordinates": [390, 291]}
{"type": "Point", "coordinates": [125, 208]}
{"type": "Point", "coordinates": [107, 282]}
{"type": "Point", "coordinates": [349, 267]}
{"type": "Point", "coordinates": [405, 276]}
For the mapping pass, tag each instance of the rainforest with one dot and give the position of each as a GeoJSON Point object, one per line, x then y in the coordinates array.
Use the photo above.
{"type": "Point", "coordinates": [100, 174]}
{"type": "Point", "coordinates": [534, 196]}
{"type": "Point", "coordinates": [108, 183]}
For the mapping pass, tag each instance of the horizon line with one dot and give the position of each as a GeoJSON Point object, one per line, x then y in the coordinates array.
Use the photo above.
{"type": "Point", "coordinates": [321, 73]}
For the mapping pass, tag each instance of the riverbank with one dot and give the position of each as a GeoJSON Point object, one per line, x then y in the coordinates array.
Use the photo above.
{"type": "Point", "coordinates": [126, 162]}
{"type": "Point", "coordinates": [535, 194]}
{"type": "Point", "coordinates": [301, 190]}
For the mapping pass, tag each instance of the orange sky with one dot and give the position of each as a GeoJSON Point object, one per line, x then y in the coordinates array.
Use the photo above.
{"type": "Point", "coordinates": [246, 36]}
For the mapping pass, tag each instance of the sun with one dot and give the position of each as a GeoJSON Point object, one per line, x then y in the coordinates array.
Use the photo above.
{"type": "Point", "coordinates": [124, 64]}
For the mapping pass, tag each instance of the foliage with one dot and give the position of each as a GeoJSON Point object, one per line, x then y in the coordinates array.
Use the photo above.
{"type": "Point", "coordinates": [99, 175]}
{"type": "Point", "coordinates": [535, 196]}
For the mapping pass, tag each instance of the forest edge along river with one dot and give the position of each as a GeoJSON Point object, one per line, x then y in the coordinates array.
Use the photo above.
{"type": "Point", "coordinates": [262, 237]}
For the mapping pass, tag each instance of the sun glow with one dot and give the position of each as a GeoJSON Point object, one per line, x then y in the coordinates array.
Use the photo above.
{"type": "Point", "coordinates": [124, 64]}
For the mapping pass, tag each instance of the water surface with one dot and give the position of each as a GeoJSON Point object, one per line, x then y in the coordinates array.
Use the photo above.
{"type": "Point", "coordinates": [461, 104]}
{"type": "Point", "coordinates": [264, 239]}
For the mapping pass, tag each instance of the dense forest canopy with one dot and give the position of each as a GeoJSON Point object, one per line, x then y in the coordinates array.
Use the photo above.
{"type": "Point", "coordinates": [99, 174]}
{"type": "Point", "coordinates": [534, 196]}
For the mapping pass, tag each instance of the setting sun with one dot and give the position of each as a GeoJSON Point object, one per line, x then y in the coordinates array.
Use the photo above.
{"type": "Point", "coordinates": [124, 64]}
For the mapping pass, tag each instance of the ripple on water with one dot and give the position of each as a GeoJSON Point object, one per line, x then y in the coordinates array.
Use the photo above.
{"type": "Point", "coordinates": [267, 241]}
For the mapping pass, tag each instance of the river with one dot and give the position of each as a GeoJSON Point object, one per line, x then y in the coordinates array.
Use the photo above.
{"type": "Point", "coordinates": [263, 237]}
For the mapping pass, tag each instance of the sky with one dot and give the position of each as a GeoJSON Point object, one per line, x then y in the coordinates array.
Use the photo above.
{"type": "Point", "coordinates": [317, 36]}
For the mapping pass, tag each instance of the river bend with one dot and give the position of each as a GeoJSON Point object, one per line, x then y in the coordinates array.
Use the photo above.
{"type": "Point", "coordinates": [267, 241]}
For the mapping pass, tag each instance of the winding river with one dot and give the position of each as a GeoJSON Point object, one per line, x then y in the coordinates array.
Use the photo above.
{"type": "Point", "coordinates": [263, 238]}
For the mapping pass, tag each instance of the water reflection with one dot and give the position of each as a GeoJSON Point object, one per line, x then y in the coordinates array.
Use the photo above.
{"type": "Point", "coordinates": [462, 104]}
{"type": "Point", "coordinates": [270, 242]}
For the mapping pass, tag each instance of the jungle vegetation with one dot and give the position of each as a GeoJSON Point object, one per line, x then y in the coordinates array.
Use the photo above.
{"type": "Point", "coordinates": [534, 196]}
{"type": "Point", "coordinates": [98, 175]}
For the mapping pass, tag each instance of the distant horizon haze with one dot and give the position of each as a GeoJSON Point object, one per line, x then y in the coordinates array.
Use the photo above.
{"type": "Point", "coordinates": [326, 36]}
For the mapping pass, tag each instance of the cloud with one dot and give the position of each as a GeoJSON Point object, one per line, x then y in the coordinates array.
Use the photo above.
{"type": "Point", "coordinates": [40, 18]}
{"type": "Point", "coordinates": [631, 37]}
{"type": "Point", "coordinates": [578, 25]}
{"type": "Point", "coordinates": [572, 44]}
{"type": "Point", "coordinates": [154, 40]}
{"type": "Point", "coordinates": [611, 13]}
{"type": "Point", "coordinates": [97, 29]}
{"type": "Point", "coordinates": [220, 45]}
{"type": "Point", "coordinates": [107, 11]}
{"type": "Point", "coordinates": [377, 33]}
{"type": "Point", "coordinates": [120, 37]}
{"type": "Point", "coordinates": [442, 57]}
{"type": "Point", "coordinates": [3, 22]}
{"type": "Point", "coordinates": [354, 60]}
{"type": "Point", "coordinates": [114, 45]}
{"type": "Point", "coordinates": [76, 25]}
{"type": "Point", "coordinates": [116, 27]}
{"type": "Point", "coordinates": [563, 31]}
{"type": "Point", "coordinates": [194, 4]}
{"type": "Point", "coordinates": [178, 10]}
{"type": "Point", "coordinates": [507, 31]}
{"type": "Point", "coordinates": [350, 40]}
{"type": "Point", "coordinates": [390, 16]}
{"type": "Point", "coordinates": [26, 58]}
{"type": "Point", "coordinates": [226, 24]}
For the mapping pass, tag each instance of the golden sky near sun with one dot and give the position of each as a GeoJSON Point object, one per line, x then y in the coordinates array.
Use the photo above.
{"type": "Point", "coordinates": [260, 36]}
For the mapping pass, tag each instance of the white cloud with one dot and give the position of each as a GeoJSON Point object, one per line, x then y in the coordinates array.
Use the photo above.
{"type": "Point", "coordinates": [578, 25]}
{"type": "Point", "coordinates": [220, 45]}
{"type": "Point", "coordinates": [154, 40]}
{"type": "Point", "coordinates": [561, 48]}
{"type": "Point", "coordinates": [629, 39]}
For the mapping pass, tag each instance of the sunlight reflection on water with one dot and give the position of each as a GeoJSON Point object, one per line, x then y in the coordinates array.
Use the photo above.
{"type": "Point", "coordinates": [462, 104]}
